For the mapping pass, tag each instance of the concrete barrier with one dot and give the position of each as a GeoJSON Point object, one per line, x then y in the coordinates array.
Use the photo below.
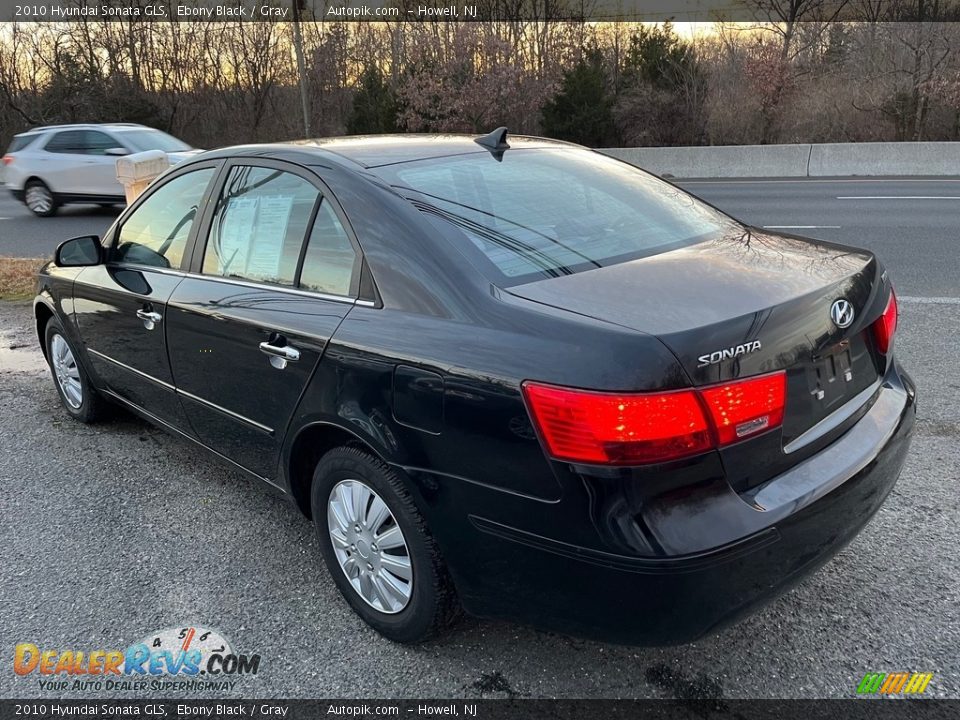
{"type": "Point", "coordinates": [908, 158]}
{"type": "Point", "coordinates": [719, 160]}
{"type": "Point", "coordinates": [807, 160]}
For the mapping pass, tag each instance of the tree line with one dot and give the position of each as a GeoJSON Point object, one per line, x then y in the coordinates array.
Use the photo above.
{"type": "Point", "coordinates": [795, 75]}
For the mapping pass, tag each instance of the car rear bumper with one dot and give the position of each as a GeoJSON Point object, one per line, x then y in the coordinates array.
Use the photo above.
{"type": "Point", "coordinates": [800, 520]}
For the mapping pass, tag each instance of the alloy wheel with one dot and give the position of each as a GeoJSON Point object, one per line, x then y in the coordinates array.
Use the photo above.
{"type": "Point", "coordinates": [66, 370]}
{"type": "Point", "coordinates": [369, 546]}
{"type": "Point", "coordinates": [39, 199]}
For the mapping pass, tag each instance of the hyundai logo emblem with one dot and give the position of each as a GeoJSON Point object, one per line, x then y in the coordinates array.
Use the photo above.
{"type": "Point", "coordinates": [841, 312]}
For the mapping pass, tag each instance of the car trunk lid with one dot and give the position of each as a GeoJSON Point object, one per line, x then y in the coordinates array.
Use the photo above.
{"type": "Point", "coordinates": [737, 307]}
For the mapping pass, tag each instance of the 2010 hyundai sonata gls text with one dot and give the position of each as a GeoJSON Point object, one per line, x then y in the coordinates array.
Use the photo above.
{"type": "Point", "coordinates": [511, 376]}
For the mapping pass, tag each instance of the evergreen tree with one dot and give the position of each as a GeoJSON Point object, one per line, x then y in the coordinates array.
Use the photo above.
{"type": "Point", "coordinates": [658, 57]}
{"type": "Point", "coordinates": [374, 106]}
{"type": "Point", "coordinates": [582, 110]}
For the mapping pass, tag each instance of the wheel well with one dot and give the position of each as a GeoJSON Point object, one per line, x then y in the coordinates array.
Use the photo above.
{"type": "Point", "coordinates": [310, 445]}
{"type": "Point", "coordinates": [43, 314]}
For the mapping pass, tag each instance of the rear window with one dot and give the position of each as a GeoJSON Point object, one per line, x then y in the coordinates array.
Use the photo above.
{"type": "Point", "coordinates": [550, 212]}
{"type": "Point", "coordinates": [21, 141]}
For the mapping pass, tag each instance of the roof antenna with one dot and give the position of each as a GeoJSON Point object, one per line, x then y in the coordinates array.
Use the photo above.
{"type": "Point", "coordinates": [495, 142]}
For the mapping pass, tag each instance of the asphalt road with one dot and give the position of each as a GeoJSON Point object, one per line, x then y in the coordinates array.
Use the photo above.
{"type": "Point", "coordinates": [912, 224]}
{"type": "Point", "coordinates": [24, 235]}
{"type": "Point", "coordinates": [116, 530]}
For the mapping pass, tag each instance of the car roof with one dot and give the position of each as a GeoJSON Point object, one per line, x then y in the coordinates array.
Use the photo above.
{"type": "Point", "coordinates": [376, 150]}
{"type": "Point", "coordinates": [86, 126]}
{"type": "Point", "coordinates": [371, 151]}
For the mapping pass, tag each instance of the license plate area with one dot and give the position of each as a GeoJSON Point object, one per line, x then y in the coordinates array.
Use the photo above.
{"type": "Point", "coordinates": [831, 378]}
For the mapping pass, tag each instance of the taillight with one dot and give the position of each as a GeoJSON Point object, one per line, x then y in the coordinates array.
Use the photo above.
{"type": "Point", "coordinates": [746, 407]}
{"type": "Point", "coordinates": [641, 428]}
{"type": "Point", "coordinates": [8, 159]}
{"type": "Point", "coordinates": [886, 325]}
{"type": "Point", "coordinates": [617, 429]}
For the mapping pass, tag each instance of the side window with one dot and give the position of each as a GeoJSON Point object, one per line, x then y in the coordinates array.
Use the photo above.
{"type": "Point", "coordinates": [329, 264]}
{"type": "Point", "coordinates": [259, 225]}
{"type": "Point", "coordinates": [157, 231]}
{"type": "Point", "coordinates": [71, 142]}
{"type": "Point", "coordinates": [97, 143]}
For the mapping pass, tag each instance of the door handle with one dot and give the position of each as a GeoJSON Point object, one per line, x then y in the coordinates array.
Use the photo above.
{"type": "Point", "coordinates": [150, 318]}
{"type": "Point", "coordinates": [280, 355]}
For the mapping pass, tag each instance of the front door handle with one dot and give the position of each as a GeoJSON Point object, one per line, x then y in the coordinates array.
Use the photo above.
{"type": "Point", "coordinates": [280, 355]}
{"type": "Point", "coordinates": [150, 318]}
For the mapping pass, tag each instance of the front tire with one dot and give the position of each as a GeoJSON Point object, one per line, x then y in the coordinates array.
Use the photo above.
{"type": "Point", "coordinates": [40, 199]}
{"type": "Point", "coordinates": [73, 385]}
{"type": "Point", "coordinates": [378, 549]}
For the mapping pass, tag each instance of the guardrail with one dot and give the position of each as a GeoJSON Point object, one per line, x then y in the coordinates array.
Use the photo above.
{"type": "Point", "coordinates": [807, 160]}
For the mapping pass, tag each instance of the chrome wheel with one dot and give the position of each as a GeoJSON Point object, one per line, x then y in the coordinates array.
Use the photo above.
{"type": "Point", "coordinates": [369, 546]}
{"type": "Point", "coordinates": [66, 371]}
{"type": "Point", "coordinates": [39, 199]}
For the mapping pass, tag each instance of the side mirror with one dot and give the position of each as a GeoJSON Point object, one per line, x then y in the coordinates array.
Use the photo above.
{"type": "Point", "coordinates": [80, 251]}
{"type": "Point", "coordinates": [117, 151]}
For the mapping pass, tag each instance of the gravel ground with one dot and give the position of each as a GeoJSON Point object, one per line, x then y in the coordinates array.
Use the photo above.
{"type": "Point", "coordinates": [116, 530]}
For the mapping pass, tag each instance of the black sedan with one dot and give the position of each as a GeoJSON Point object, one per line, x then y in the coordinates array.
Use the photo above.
{"type": "Point", "coordinates": [511, 377]}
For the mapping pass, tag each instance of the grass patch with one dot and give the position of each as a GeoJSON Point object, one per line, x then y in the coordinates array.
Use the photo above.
{"type": "Point", "coordinates": [18, 277]}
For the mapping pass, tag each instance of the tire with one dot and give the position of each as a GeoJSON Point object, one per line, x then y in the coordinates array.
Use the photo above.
{"type": "Point", "coordinates": [40, 199]}
{"type": "Point", "coordinates": [88, 406]}
{"type": "Point", "coordinates": [431, 605]}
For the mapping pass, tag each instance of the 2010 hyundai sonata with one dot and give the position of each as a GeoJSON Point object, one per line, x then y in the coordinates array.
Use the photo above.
{"type": "Point", "coordinates": [513, 377]}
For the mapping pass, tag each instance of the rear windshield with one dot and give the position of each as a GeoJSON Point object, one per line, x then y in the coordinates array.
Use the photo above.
{"type": "Point", "coordinates": [141, 140]}
{"type": "Point", "coordinates": [550, 212]}
{"type": "Point", "coordinates": [21, 141]}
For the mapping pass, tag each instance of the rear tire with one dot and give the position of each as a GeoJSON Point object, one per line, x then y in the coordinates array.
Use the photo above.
{"type": "Point", "coordinates": [73, 385]}
{"type": "Point", "coordinates": [40, 199]}
{"type": "Point", "coordinates": [402, 610]}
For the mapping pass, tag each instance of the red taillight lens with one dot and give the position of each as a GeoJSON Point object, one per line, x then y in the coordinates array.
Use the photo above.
{"type": "Point", "coordinates": [886, 325]}
{"type": "Point", "coordinates": [8, 159]}
{"type": "Point", "coordinates": [642, 428]}
{"type": "Point", "coordinates": [746, 407]}
{"type": "Point", "coordinates": [616, 429]}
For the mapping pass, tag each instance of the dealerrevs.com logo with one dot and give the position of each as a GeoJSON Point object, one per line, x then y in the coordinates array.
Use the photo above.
{"type": "Point", "coordinates": [187, 658]}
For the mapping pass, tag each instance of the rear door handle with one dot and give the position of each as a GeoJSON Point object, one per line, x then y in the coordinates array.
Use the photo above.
{"type": "Point", "coordinates": [280, 355]}
{"type": "Point", "coordinates": [150, 318]}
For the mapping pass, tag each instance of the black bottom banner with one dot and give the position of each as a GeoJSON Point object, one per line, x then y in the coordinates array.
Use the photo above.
{"type": "Point", "coordinates": [853, 709]}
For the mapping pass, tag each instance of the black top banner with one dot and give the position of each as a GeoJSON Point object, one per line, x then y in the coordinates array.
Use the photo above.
{"type": "Point", "coordinates": [476, 10]}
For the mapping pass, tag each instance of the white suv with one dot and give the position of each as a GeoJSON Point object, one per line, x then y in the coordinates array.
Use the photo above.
{"type": "Point", "coordinates": [56, 164]}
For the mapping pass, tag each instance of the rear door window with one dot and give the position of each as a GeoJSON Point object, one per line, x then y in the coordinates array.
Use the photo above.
{"type": "Point", "coordinates": [81, 142]}
{"type": "Point", "coordinates": [69, 142]}
{"type": "Point", "coordinates": [330, 263]}
{"type": "Point", "coordinates": [259, 225]}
